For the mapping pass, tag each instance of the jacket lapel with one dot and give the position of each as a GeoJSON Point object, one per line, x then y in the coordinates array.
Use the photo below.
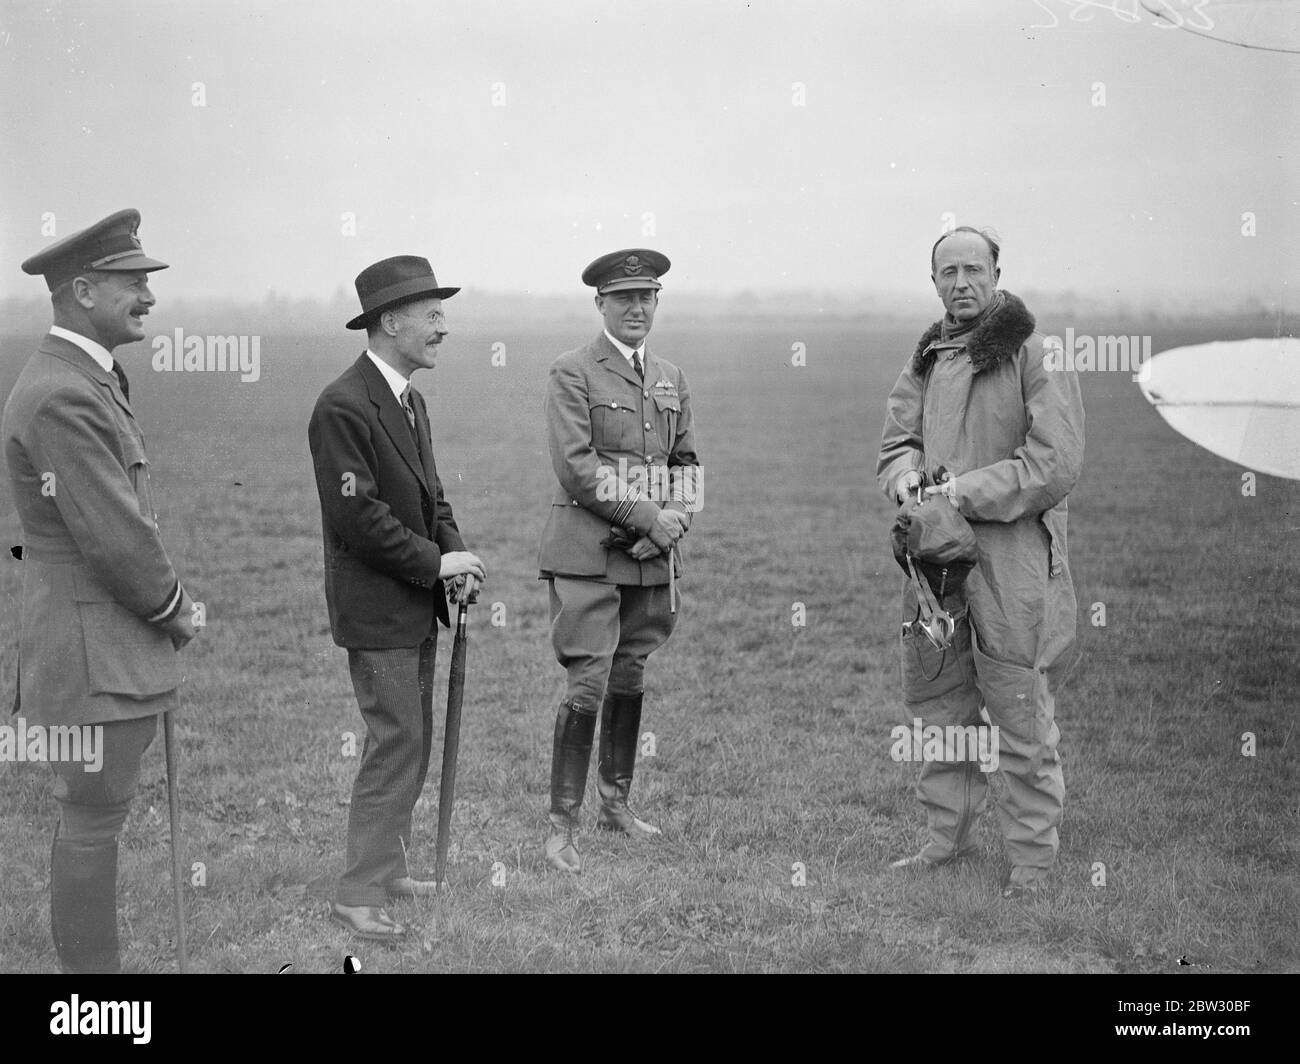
{"type": "Point", "coordinates": [614, 361]}
{"type": "Point", "coordinates": [422, 427]}
{"type": "Point", "coordinates": [391, 415]}
{"type": "Point", "coordinates": [68, 352]}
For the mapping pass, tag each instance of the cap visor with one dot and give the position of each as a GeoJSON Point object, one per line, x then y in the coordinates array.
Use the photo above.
{"type": "Point", "coordinates": [132, 264]}
{"type": "Point", "coordinates": [629, 283]}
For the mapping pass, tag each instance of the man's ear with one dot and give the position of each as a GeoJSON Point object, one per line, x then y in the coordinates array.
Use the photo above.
{"type": "Point", "coordinates": [82, 291]}
{"type": "Point", "coordinates": [997, 273]}
{"type": "Point", "coordinates": [600, 303]}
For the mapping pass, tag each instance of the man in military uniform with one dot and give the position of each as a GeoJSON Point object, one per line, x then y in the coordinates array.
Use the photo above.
{"type": "Point", "coordinates": [103, 613]}
{"type": "Point", "coordinates": [623, 449]}
{"type": "Point", "coordinates": [977, 417]}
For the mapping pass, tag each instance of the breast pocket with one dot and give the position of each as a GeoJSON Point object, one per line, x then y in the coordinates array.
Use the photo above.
{"type": "Point", "coordinates": [668, 411]}
{"type": "Point", "coordinates": [137, 468]}
{"type": "Point", "coordinates": [614, 425]}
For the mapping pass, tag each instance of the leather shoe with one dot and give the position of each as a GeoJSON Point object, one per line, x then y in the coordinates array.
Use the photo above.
{"type": "Point", "coordinates": [620, 818]}
{"type": "Point", "coordinates": [406, 887]}
{"type": "Point", "coordinates": [370, 922]}
{"type": "Point", "coordinates": [561, 850]}
{"type": "Point", "coordinates": [920, 863]}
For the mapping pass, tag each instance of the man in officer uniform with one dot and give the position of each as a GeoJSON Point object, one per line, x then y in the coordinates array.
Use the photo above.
{"type": "Point", "coordinates": [103, 613]}
{"type": "Point", "coordinates": [623, 449]}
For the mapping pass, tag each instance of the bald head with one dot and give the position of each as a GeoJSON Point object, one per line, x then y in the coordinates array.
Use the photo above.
{"type": "Point", "coordinates": [964, 269]}
{"type": "Point", "coordinates": [989, 242]}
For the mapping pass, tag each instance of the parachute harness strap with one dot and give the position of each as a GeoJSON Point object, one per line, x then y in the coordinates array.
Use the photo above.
{"type": "Point", "coordinates": [936, 624]}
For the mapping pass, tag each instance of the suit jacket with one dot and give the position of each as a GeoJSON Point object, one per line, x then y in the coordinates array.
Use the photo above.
{"type": "Point", "coordinates": [94, 567]}
{"type": "Point", "coordinates": [621, 449]}
{"type": "Point", "coordinates": [384, 520]}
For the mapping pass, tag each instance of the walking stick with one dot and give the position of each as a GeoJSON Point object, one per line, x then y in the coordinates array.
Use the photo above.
{"type": "Point", "coordinates": [672, 579]}
{"type": "Point", "coordinates": [451, 739]}
{"type": "Point", "coordinates": [174, 812]}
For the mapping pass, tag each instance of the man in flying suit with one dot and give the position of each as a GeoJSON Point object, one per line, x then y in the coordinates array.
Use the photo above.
{"type": "Point", "coordinates": [978, 417]}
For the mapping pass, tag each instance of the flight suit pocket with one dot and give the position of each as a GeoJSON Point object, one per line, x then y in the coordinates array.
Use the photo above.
{"type": "Point", "coordinates": [1015, 696]}
{"type": "Point", "coordinates": [125, 655]}
{"type": "Point", "coordinates": [614, 425]}
{"type": "Point", "coordinates": [1053, 525]}
{"type": "Point", "coordinates": [929, 673]}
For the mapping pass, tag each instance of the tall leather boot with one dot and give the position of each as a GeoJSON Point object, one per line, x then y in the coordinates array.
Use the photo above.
{"type": "Point", "coordinates": [570, 756]}
{"type": "Point", "coordinates": [83, 905]}
{"type": "Point", "coordinates": [620, 730]}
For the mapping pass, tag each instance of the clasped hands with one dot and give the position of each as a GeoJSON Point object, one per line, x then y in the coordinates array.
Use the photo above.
{"type": "Point", "coordinates": [669, 527]}
{"type": "Point", "coordinates": [910, 481]}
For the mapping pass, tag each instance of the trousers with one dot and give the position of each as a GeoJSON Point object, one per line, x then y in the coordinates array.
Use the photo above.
{"type": "Point", "coordinates": [83, 858]}
{"type": "Point", "coordinates": [93, 805]}
{"type": "Point", "coordinates": [1008, 656]}
{"type": "Point", "coordinates": [603, 633]}
{"type": "Point", "coordinates": [394, 690]}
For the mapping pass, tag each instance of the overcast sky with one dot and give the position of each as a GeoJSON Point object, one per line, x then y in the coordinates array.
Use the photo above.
{"type": "Point", "coordinates": [766, 146]}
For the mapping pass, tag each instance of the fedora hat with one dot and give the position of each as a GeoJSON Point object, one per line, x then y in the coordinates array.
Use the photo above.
{"type": "Point", "coordinates": [391, 282]}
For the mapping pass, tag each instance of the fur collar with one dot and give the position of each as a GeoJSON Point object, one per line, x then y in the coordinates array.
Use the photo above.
{"type": "Point", "coordinates": [997, 338]}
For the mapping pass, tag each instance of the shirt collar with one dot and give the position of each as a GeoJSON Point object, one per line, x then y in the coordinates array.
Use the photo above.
{"type": "Point", "coordinates": [624, 350]}
{"type": "Point", "coordinates": [395, 380]}
{"type": "Point", "coordinates": [96, 351]}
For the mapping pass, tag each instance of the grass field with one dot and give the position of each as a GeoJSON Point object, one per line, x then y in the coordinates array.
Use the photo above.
{"type": "Point", "coordinates": [772, 742]}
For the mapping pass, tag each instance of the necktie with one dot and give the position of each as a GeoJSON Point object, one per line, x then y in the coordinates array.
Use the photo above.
{"type": "Point", "coordinates": [409, 407]}
{"type": "Point", "coordinates": [406, 405]}
{"type": "Point", "coordinates": [636, 361]}
{"type": "Point", "coordinates": [120, 374]}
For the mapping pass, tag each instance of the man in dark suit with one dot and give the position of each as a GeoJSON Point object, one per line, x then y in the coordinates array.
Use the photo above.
{"type": "Point", "coordinates": [622, 444]}
{"type": "Point", "coordinates": [103, 613]}
{"type": "Point", "coordinates": [390, 542]}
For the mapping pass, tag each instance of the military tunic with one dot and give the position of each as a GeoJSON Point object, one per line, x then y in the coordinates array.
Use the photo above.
{"type": "Point", "coordinates": [97, 580]}
{"type": "Point", "coordinates": [621, 448]}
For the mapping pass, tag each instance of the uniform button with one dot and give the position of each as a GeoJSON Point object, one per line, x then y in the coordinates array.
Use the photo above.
{"type": "Point", "coordinates": [613, 406]}
{"type": "Point", "coordinates": [573, 502]}
{"type": "Point", "coordinates": [647, 426]}
{"type": "Point", "coordinates": [648, 459]}
{"type": "Point", "coordinates": [646, 395]}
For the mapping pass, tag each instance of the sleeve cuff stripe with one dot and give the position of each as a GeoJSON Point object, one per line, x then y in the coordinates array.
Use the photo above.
{"type": "Point", "coordinates": [172, 607]}
{"type": "Point", "coordinates": [626, 505]}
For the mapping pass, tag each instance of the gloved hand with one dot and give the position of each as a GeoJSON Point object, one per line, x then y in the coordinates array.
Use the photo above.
{"type": "Point", "coordinates": [906, 486]}
{"type": "Point", "coordinates": [948, 488]}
